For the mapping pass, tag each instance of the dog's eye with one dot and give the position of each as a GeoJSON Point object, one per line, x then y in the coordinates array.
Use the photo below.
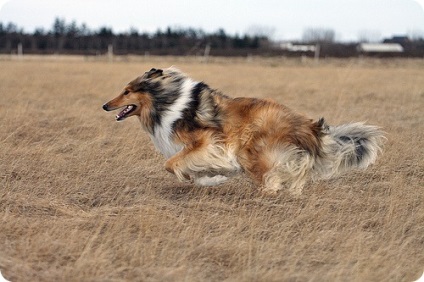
{"type": "Point", "coordinates": [126, 92]}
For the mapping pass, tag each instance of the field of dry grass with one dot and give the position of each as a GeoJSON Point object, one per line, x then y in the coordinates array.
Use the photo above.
{"type": "Point", "coordinates": [84, 198]}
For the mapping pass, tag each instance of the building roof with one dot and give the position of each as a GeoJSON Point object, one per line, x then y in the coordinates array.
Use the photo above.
{"type": "Point", "coordinates": [297, 47]}
{"type": "Point", "coordinates": [380, 47]}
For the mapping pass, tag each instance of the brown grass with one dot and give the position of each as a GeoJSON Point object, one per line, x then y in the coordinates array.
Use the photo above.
{"type": "Point", "coordinates": [84, 198]}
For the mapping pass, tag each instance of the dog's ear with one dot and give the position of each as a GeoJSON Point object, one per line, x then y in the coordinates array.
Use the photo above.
{"type": "Point", "coordinates": [136, 84]}
{"type": "Point", "coordinates": [153, 73]}
{"type": "Point", "coordinates": [140, 82]}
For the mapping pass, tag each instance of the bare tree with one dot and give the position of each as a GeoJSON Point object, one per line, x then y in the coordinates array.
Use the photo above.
{"type": "Point", "coordinates": [416, 34]}
{"type": "Point", "coordinates": [366, 36]}
{"type": "Point", "coordinates": [261, 31]}
{"type": "Point", "coordinates": [318, 35]}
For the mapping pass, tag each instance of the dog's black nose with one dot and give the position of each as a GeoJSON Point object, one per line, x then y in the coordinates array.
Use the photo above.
{"type": "Point", "coordinates": [105, 107]}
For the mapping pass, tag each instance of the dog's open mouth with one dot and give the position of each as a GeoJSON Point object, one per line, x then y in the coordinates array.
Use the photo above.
{"type": "Point", "coordinates": [125, 112]}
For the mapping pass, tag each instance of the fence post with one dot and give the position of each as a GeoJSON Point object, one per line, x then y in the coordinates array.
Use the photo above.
{"type": "Point", "coordinates": [110, 52]}
{"type": "Point", "coordinates": [316, 55]}
{"type": "Point", "coordinates": [20, 50]}
{"type": "Point", "coordinates": [206, 54]}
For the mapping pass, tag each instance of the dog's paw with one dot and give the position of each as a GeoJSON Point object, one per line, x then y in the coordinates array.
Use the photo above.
{"type": "Point", "coordinates": [174, 168]}
{"type": "Point", "coordinates": [296, 191]}
{"type": "Point", "coordinates": [269, 193]}
{"type": "Point", "coordinates": [210, 180]}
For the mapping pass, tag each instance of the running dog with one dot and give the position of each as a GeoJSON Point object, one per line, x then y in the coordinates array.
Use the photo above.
{"type": "Point", "coordinates": [208, 137]}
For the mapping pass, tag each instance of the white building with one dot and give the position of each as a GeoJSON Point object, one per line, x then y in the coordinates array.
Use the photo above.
{"type": "Point", "coordinates": [380, 48]}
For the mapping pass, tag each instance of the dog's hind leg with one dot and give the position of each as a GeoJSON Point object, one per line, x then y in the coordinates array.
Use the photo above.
{"type": "Point", "coordinates": [281, 168]}
{"type": "Point", "coordinates": [290, 169]}
{"type": "Point", "coordinates": [281, 176]}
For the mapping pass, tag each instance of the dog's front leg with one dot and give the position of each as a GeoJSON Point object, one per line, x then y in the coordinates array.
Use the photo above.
{"type": "Point", "coordinates": [200, 165]}
{"type": "Point", "coordinates": [175, 165]}
{"type": "Point", "coordinates": [206, 162]}
{"type": "Point", "coordinates": [187, 168]}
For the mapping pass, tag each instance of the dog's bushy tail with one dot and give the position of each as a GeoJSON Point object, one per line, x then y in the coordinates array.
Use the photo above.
{"type": "Point", "coordinates": [347, 146]}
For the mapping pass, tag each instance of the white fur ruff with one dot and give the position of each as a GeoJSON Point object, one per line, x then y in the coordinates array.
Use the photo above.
{"type": "Point", "coordinates": [162, 137]}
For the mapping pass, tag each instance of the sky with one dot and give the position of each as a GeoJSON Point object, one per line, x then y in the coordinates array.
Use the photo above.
{"type": "Point", "coordinates": [281, 19]}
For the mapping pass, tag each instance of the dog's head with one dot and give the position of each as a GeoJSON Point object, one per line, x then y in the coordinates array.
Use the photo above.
{"type": "Point", "coordinates": [136, 99]}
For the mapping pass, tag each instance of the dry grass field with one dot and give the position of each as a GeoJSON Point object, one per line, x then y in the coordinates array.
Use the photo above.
{"type": "Point", "coordinates": [85, 198]}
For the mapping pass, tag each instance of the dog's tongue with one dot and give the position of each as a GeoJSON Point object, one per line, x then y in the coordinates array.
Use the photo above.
{"type": "Point", "coordinates": [125, 111]}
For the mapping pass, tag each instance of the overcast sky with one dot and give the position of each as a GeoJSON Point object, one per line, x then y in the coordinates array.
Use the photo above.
{"type": "Point", "coordinates": [285, 19]}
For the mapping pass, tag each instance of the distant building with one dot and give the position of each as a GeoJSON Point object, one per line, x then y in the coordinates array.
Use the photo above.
{"type": "Point", "coordinates": [376, 48]}
{"type": "Point", "coordinates": [288, 46]}
{"type": "Point", "coordinates": [402, 40]}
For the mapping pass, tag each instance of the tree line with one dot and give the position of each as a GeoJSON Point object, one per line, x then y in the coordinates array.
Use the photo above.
{"type": "Point", "coordinates": [72, 38]}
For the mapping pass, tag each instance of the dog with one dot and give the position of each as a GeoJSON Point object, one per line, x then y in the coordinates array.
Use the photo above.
{"type": "Point", "coordinates": [207, 137]}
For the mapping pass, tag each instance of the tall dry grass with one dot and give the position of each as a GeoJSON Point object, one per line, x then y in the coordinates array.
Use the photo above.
{"type": "Point", "coordinates": [84, 198]}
